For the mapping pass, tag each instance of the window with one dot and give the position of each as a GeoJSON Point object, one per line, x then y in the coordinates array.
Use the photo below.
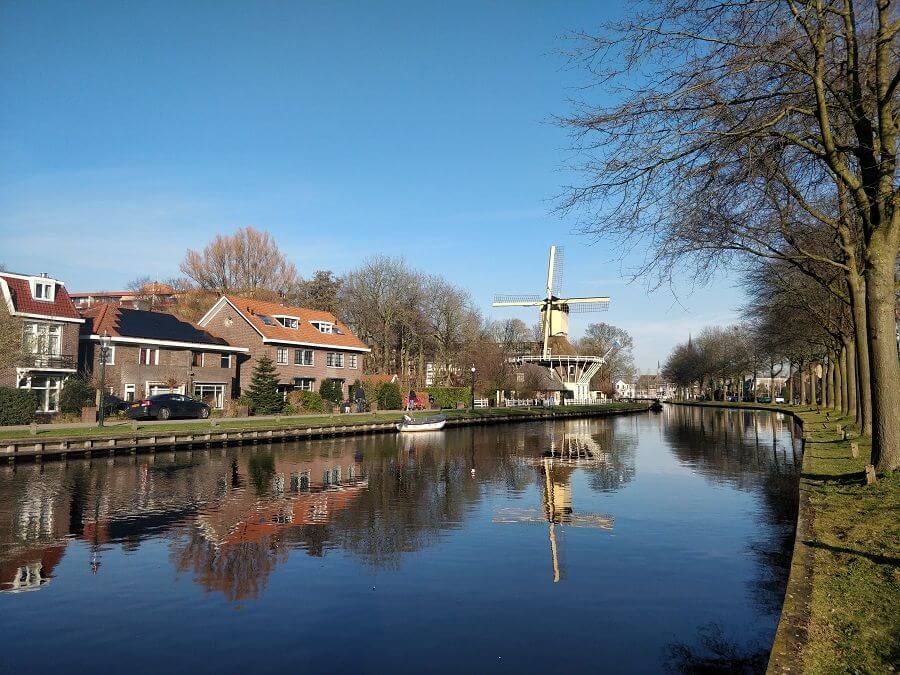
{"type": "Point", "coordinates": [147, 356]}
{"type": "Point", "coordinates": [304, 383]}
{"type": "Point", "coordinates": [287, 321]}
{"type": "Point", "coordinates": [303, 357]}
{"type": "Point", "coordinates": [225, 361]}
{"type": "Point", "coordinates": [46, 389]}
{"type": "Point", "coordinates": [211, 394]}
{"type": "Point", "coordinates": [351, 361]}
{"type": "Point", "coordinates": [43, 338]}
{"type": "Point", "coordinates": [156, 388]}
{"type": "Point", "coordinates": [334, 360]}
{"type": "Point", "coordinates": [323, 326]}
{"type": "Point", "coordinates": [281, 355]}
{"type": "Point", "coordinates": [197, 359]}
{"type": "Point", "coordinates": [43, 290]}
{"type": "Point", "coordinates": [128, 392]}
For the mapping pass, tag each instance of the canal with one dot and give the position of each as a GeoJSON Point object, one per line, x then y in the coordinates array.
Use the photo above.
{"type": "Point", "coordinates": [640, 543]}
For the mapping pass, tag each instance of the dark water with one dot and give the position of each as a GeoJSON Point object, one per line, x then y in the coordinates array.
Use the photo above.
{"type": "Point", "coordinates": [636, 544]}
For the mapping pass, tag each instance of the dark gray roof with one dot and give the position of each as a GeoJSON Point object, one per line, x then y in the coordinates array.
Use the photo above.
{"type": "Point", "coordinates": [139, 323]}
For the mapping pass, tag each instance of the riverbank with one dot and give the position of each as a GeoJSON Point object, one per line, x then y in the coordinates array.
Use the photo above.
{"type": "Point", "coordinates": [840, 609]}
{"type": "Point", "coordinates": [60, 441]}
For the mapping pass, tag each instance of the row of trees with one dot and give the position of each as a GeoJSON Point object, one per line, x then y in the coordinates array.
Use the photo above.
{"type": "Point", "coordinates": [409, 318]}
{"type": "Point", "coordinates": [761, 131]}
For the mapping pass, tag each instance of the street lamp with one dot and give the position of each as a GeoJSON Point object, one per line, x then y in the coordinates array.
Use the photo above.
{"type": "Point", "coordinates": [473, 388]}
{"type": "Point", "coordinates": [104, 352]}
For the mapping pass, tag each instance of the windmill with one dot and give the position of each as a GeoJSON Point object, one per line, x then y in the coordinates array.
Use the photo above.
{"type": "Point", "coordinates": [557, 354]}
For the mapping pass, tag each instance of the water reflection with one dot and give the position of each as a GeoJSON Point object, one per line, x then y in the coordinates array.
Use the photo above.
{"type": "Point", "coordinates": [521, 519]}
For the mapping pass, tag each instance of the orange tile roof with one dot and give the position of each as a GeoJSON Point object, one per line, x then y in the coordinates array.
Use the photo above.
{"type": "Point", "coordinates": [305, 331]}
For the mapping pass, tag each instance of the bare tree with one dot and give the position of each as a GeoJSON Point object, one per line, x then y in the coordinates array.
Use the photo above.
{"type": "Point", "coordinates": [11, 336]}
{"type": "Point", "coordinates": [735, 124]}
{"type": "Point", "coordinates": [603, 339]}
{"type": "Point", "coordinates": [247, 261]}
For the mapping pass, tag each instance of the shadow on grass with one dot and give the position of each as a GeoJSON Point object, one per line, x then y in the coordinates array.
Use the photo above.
{"type": "Point", "coordinates": [852, 478]}
{"type": "Point", "coordinates": [873, 557]}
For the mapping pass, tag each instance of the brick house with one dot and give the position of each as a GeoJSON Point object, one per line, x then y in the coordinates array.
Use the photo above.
{"type": "Point", "coordinates": [306, 346]}
{"type": "Point", "coordinates": [154, 352]}
{"type": "Point", "coordinates": [49, 329]}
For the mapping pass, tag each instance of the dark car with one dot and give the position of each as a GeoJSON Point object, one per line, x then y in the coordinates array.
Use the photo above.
{"type": "Point", "coordinates": [167, 406]}
{"type": "Point", "coordinates": [114, 404]}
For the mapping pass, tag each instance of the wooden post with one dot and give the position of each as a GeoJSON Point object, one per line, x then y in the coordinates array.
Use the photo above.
{"type": "Point", "coordinates": [870, 474]}
{"type": "Point", "coordinates": [854, 449]}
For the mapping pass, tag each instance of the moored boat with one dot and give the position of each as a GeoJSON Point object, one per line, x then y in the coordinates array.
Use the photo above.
{"type": "Point", "coordinates": [433, 423]}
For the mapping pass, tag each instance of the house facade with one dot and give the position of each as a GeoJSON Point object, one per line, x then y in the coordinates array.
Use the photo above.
{"type": "Point", "coordinates": [49, 325]}
{"type": "Point", "coordinates": [306, 346]}
{"type": "Point", "coordinates": [153, 353]}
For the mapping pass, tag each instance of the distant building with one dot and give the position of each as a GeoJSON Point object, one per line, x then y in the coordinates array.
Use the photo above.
{"type": "Point", "coordinates": [50, 326]}
{"type": "Point", "coordinates": [154, 296]}
{"type": "Point", "coordinates": [153, 353]}
{"type": "Point", "coordinates": [624, 389]}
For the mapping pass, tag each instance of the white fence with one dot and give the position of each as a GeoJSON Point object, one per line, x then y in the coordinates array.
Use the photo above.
{"type": "Point", "coordinates": [482, 403]}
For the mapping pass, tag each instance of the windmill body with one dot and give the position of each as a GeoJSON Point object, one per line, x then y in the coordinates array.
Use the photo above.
{"type": "Point", "coordinates": [557, 354]}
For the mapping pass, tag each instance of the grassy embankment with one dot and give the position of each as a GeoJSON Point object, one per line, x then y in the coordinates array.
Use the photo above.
{"type": "Point", "coordinates": [852, 550]}
{"type": "Point", "coordinates": [124, 427]}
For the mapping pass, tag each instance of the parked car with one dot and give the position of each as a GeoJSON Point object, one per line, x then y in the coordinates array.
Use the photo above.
{"type": "Point", "coordinates": [779, 399]}
{"type": "Point", "coordinates": [114, 404]}
{"type": "Point", "coordinates": [764, 399]}
{"type": "Point", "coordinates": [167, 406]}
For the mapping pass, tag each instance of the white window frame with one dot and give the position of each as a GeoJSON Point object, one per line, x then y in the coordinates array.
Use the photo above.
{"type": "Point", "coordinates": [303, 352]}
{"type": "Point", "coordinates": [110, 354]}
{"type": "Point", "coordinates": [287, 321]}
{"type": "Point", "coordinates": [218, 392]}
{"type": "Point", "coordinates": [202, 359]}
{"type": "Point", "coordinates": [43, 393]}
{"type": "Point", "coordinates": [154, 351]}
{"type": "Point", "coordinates": [223, 358]}
{"type": "Point", "coordinates": [334, 360]}
{"type": "Point", "coordinates": [47, 292]}
{"type": "Point", "coordinates": [278, 356]}
{"type": "Point", "coordinates": [310, 381]}
{"type": "Point", "coordinates": [129, 389]}
{"type": "Point", "coordinates": [37, 338]}
{"type": "Point", "coordinates": [163, 389]}
{"type": "Point", "coordinates": [352, 361]}
{"type": "Point", "coordinates": [325, 327]}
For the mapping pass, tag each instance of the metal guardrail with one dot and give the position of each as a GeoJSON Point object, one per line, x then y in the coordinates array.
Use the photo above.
{"type": "Point", "coordinates": [49, 361]}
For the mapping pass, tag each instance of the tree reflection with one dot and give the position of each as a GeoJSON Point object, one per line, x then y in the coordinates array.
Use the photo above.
{"type": "Point", "coordinates": [714, 653]}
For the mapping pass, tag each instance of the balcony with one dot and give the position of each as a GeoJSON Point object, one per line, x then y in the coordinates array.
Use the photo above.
{"type": "Point", "coordinates": [48, 361]}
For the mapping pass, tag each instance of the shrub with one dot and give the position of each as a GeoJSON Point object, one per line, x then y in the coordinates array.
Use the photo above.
{"type": "Point", "coordinates": [76, 393]}
{"type": "Point", "coordinates": [263, 394]}
{"type": "Point", "coordinates": [448, 397]}
{"type": "Point", "coordinates": [17, 406]}
{"type": "Point", "coordinates": [331, 390]}
{"type": "Point", "coordinates": [389, 396]}
{"type": "Point", "coordinates": [307, 401]}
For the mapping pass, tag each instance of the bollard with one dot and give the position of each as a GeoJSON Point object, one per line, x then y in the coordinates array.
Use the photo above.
{"type": "Point", "coordinates": [870, 474]}
{"type": "Point", "coordinates": [854, 449]}
{"type": "Point", "coordinates": [33, 429]}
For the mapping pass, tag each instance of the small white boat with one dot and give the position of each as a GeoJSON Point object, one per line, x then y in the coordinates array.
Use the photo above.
{"type": "Point", "coordinates": [434, 423]}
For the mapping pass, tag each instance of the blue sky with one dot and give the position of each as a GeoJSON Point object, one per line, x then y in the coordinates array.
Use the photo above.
{"type": "Point", "coordinates": [130, 131]}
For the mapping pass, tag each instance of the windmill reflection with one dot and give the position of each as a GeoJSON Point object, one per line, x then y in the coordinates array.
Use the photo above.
{"type": "Point", "coordinates": [555, 467]}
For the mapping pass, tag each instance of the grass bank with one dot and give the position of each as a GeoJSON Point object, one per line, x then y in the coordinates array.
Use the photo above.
{"type": "Point", "coordinates": [120, 428]}
{"type": "Point", "coordinates": [842, 606]}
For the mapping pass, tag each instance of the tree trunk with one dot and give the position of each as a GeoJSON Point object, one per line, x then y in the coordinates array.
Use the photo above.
{"type": "Point", "coordinates": [801, 381]}
{"type": "Point", "coordinates": [813, 393]}
{"type": "Point", "coordinates": [838, 403]}
{"type": "Point", "coordinates": [852, 382]}
{"type": "Point", "coordinates": [826, 384]}
{"type": "Point", "coordinates": [885, 367]}
{"type": "Point", "coordinates": [842, 369]}
{"type": "Point", "coordinates": [858, 292]}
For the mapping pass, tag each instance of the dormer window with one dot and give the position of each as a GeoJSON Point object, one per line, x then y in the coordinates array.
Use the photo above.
{"type": "Point", "coordinates": [323, 326]}
{"type": "Point", "coordinates": [288, 321]}
{"type": "Point", "coordinates": [43, 289]}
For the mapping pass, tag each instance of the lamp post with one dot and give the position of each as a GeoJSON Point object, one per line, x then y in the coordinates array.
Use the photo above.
{"type": "Point", "coordinates": [104, 351]}
{"type": "Point", "coordinates": [472, 399]}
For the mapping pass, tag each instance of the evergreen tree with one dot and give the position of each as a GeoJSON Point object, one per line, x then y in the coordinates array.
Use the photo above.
{"type": "Point", "coordinates": [263, 393]}
{"type": "Point", "coordinates": [331, 390]}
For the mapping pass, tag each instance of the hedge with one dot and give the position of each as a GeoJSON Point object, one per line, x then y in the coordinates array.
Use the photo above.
{"type": "Point", "coordinates": [331, 390]}
{"type": "Point", "coordinates": [448, 397]}
{"type": "Point", "coordinates": [389, 396]}
{"type": "Point", "coordinates": [307, 401]}
{"type": "Point", "coordinates": [76, 393]}
{"type": "Point", "coordinates": [17, 406]}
